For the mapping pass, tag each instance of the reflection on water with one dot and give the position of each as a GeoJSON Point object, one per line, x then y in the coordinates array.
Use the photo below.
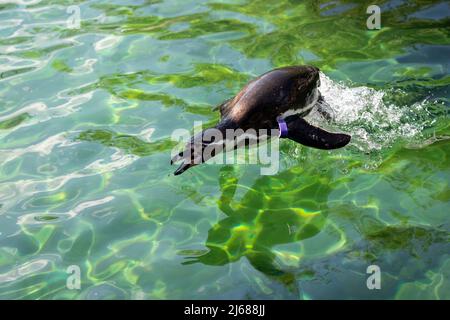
{"type": "Point", "coordinates": [85, 126]}
{"type": "Point", "coordinates": [259, 222]}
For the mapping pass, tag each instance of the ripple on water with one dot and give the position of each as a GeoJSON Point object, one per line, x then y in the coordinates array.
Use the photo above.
{"type": "Point", "coordinates": [85, 121]}
{"type": "Point", "coordinates": [24, 270]}
{"type": "Point", "coordinates": [39, 218]}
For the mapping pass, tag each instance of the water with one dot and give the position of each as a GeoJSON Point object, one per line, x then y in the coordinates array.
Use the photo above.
{"type": "Point", "coordinates": [85, 125]}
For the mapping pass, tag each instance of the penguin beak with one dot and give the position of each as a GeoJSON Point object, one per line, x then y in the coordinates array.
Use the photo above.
{"type": "Point", "coordinates": [186, 164]}
{"type": "Point", "coordinates": [183, 167]}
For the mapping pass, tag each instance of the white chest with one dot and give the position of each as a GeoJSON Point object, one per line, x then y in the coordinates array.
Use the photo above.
{"type": "Point", "coordinates": [311, 101]}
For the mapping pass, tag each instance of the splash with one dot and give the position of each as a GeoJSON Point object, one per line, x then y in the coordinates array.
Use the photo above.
{"type": "Point", "coordinates": [373, 122]}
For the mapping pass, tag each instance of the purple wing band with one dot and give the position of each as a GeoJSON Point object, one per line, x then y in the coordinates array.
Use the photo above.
{"type": "Point", "coordinates": [283, 128]}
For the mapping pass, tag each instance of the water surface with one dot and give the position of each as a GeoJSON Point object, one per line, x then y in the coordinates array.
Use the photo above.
{"type": "Point", "coordinates": [85, 140]}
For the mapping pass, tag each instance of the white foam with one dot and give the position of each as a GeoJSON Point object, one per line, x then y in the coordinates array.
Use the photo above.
{"type": "Point", "coordinates": [362, 112]}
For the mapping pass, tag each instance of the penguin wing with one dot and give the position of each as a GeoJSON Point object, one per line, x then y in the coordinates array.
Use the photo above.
{"type": "Point", "coordinates": [302, 132]}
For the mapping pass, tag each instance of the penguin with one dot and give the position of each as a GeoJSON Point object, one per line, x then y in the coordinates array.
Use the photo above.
{"type": "Point", "coordinates": [278, 99]}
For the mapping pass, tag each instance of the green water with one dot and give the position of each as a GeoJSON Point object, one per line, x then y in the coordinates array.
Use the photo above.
{"type": "Point", "coordinates": [86, 117]}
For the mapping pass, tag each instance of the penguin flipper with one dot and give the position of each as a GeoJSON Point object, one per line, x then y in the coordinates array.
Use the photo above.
{"type": "Point", "coordinates": [306, 134]}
